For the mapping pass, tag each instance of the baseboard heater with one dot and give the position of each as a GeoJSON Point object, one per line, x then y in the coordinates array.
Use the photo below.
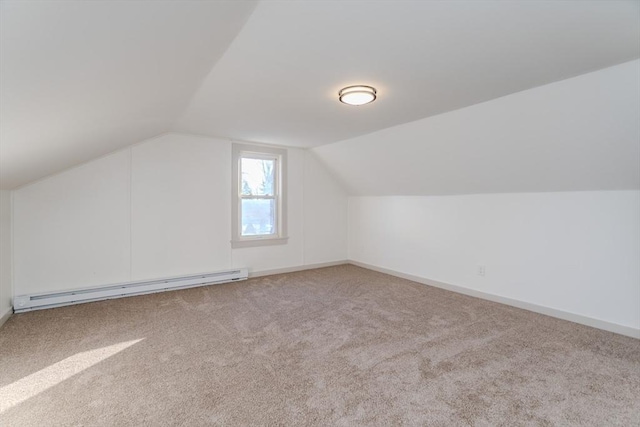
{"type": "Point", "coordinates": [41, 301]}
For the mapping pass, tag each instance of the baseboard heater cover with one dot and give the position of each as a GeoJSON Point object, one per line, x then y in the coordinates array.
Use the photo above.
{"type": "Point", "coordinates": [41, 301]}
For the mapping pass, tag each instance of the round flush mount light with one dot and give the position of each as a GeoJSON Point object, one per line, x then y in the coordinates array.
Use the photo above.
{"type": "Point", "coordinates": [357, 95]}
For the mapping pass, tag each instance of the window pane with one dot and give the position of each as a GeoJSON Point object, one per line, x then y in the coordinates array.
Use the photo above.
{"type": "Point", "coordinates": [258, 177]}
{"type": "Point", "coordinates": [258, 217]}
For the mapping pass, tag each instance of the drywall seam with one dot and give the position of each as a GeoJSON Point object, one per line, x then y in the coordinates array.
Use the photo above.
{"type": "Point", "coordinates": [305, 160]}
{"type": "Point", "coordinates": [130, 190]}
{"type": "Point", "coordinates": [12, 252]}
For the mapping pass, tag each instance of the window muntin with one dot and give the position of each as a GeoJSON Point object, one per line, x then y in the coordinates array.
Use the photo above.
{"type": "Point", "coordinates": [258, 196]}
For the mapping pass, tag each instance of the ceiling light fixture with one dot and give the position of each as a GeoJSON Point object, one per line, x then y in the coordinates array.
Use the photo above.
{"type": "Point", "coordinates": [357, 95]}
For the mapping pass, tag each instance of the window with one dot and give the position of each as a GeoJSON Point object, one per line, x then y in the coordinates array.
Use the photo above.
{"type": "Point", "coordinates": [259, 202]}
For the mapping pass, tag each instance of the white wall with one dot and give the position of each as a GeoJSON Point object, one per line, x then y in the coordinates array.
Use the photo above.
{"type": "Point", "coordinates": [180, 190]}
{"type": "Point", "coordinates": [5, 255]}
{"type": "Point", "coordinates": [157, 209]}
{"type": "Point", "coordinates": [576, 252]}
{"type": "Point", "coordinates": [325, 218]}
{"type": "Point", "coordinates": [72, 230]}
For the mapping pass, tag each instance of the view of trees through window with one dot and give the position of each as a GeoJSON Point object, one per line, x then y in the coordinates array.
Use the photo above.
{"type": "Point", "coordinates": [258, 196]}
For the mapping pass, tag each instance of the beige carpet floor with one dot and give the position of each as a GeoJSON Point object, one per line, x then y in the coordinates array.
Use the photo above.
{"type": "Point", "coordinates": [339, 346]}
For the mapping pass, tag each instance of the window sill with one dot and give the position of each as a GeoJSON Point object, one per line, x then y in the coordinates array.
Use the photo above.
{"type": "Point", "coordinates": [252, 243]}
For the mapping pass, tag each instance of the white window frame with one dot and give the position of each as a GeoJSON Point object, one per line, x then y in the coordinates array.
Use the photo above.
{"type": "Point", "coordinates": [280, 189]}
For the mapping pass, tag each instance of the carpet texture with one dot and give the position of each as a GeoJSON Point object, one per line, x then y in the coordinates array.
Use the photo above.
{"type": "Point", "coordinates": [338, 346]}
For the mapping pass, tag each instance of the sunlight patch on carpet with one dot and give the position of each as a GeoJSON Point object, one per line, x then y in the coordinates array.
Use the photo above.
{"type": "Point", "coordinates": [34, 384]}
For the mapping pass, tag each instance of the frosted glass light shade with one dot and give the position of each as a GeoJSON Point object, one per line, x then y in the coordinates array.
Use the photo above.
{"type": "Point", "coordinates": [357, 95]}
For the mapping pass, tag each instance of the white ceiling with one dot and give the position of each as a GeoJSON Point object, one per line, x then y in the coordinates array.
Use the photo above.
{"type": "Point", "coordinates": [80, 79]}
{"type": "Point", "coordinates": [577, 134]}
{"type": "Point", "coordinates": [279, 80]}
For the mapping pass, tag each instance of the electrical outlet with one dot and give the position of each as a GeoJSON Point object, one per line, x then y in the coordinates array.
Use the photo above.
{"type": "Point", "coordinates": [481, 270]}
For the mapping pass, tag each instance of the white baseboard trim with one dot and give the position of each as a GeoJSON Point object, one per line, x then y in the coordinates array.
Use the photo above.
{"type": "Point", "coordinates": [262, 273]}
{"type": "Point", "coordinates": [5, 316]}
{"type": "Point", "coordinates": [553, 312]}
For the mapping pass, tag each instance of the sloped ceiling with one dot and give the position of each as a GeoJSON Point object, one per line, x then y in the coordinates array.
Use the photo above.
{"type": "Point", "coordinates": [80, 79]}
{"type": "Point", "coordinates": [278, 82]}
{"type": "Point", "coordinates": [577, 134]}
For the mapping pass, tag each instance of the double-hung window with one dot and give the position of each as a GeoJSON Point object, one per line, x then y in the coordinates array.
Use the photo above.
{"type": "Point", "coordinates": [259, 202]}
